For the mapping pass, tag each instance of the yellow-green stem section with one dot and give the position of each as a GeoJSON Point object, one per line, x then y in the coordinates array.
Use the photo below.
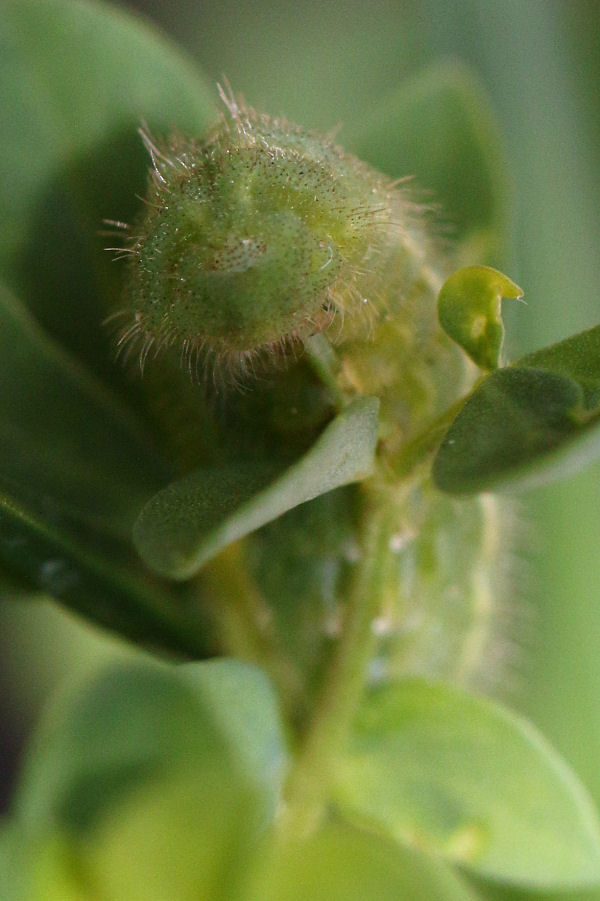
{"type": "Point", "coordinates": [310, 781]}
{"type": "Point", "coordinates": [246, 627]}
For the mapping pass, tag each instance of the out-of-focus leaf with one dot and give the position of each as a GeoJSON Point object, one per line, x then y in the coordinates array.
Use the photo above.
{"type": "Point", "coordinates": [182, 840]}
{"type": "Point", "coordinates": [191, 520]}
{"type": "Point", "coordinates": [64, 437]}
{"type": "Point", "coordinates": [78, 78]}
{"type": "Point", "coordinates": [62, 557]}
{"type": "Point", "coordinates": [528, 424]}
{"type": "Point", "coordinates": [75, 467]}
{"type": "Point", "coordinates": [469, 310]}
{"type": "Point", "coordinates": [457, 775]}
{"type": "Point", "coordinates": [12, 877]}
{"type": "Point", "coordinates": [140, 723]}
{"type": "Point", "coordinates": [440, 129]}
{"type": "Point", "coordinates": [340, 863]}
{"type": "Point", "coordinates": [43, 871]}
{"type": "Point", "coordinates": [149, 783]}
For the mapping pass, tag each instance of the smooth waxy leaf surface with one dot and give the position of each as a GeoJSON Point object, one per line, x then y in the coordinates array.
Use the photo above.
{"type": "Point", "coordinates": [439, 129]}
{"type": "Point", "coordinates": [578, 358]}
{"type": "Point", "coordinates": [469, 310]}
{"type": "Point", "coordinates": [528, 424]}
{"type": "Point", "coordinates": [193, 519]}
{"type": "Point", "coordinates": [458, 775]}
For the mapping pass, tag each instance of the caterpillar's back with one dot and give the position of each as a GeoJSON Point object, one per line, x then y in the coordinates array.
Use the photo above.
{"type": "Point", "coordinates": [253, 242]}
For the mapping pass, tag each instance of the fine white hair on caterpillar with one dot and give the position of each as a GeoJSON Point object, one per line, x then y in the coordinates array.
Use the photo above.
{"type": "Point", "coordinates": [263, 246]}
{"type": "Point", "coordinates": [256, 238]}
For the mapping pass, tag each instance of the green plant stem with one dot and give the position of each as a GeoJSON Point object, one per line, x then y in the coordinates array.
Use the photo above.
{"type": "Point", "coordinates": [326, 364]}
{"type": "Point", "coordinates": [246, 629]}
{"type": "Point", "coordinates": [310, 780]}
{"type": "Point", "coordinates": [419, 451]}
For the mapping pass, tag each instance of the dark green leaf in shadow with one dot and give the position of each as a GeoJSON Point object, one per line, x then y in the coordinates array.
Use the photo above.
{"type": "Point", "coordinates": [191, 520]}
{"type": "Point", "coordinates": [577, 357]}
{"type": "Point", "coordinates": [75, 468]}
{"type": "Point", "coordinates": [528, 424]}
{"type": "Point", "coordinates": [460, 776]}
{"type": "Point", "coordinates": [49, 552]}
{"type": "Point", "coordinates": [138, 723]}
{"type": "Point", "coordinates": [64, 436]}
{"type": "Point", "coordinates": [440, 129]}
{"type": "Point", "coordinates": [469, 310]}
{"type": "Point", "coordinates": [77, 80]}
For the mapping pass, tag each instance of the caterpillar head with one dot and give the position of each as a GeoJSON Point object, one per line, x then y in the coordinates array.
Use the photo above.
{"type": "Point", "coordinates": [249, 244]}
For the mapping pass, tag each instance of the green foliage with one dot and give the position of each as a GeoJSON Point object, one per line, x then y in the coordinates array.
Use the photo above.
{"type": "Point", "coordinates": [340, 863]}
{"type": "Point", "coordinates": [190, 521]}
{"type": "Point", "coordinates": [215, 780]}
{"type": "Point", "coordinates": [460, 776]}
{"type": "Point", "coordinates": [185, 777]}
{"type": "Point", "coordinates": [69, 121]}
{"type": "Point", "coordinates": [439, 128]}
{"type": "Point", "coordinates": [527, 424]}
{"type": "Point", "coordinates": [469, 311]}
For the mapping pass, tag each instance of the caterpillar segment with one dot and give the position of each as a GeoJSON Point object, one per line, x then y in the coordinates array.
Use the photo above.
{"type": "Point", "coordinates": [270, 260]}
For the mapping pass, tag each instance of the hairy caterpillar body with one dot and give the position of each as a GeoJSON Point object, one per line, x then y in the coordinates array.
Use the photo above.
{"type": "Point", "coordinates": [264, 243]}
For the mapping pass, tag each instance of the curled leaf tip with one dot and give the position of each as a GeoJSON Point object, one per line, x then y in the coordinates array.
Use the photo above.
{"type": "Point", "coordinates": [469, 310]}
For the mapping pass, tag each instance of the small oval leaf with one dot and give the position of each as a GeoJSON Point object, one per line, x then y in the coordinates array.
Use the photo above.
{"type": "Point", "coordinates": [529, 424]}
{"type": "Point", "coordinates": [191, 520]}
{"type": "Point", "coordinates": [577, 357]}
{"type": "Point", "coordinates": [458, 775]}
{"type": "Point", "coordinates": [520, 428]}
{"type": "Point", "coordinates": [469, 310]}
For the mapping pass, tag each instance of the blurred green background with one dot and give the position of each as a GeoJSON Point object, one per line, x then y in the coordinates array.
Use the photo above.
{"type": "Point", "coordinates": [327, 63]}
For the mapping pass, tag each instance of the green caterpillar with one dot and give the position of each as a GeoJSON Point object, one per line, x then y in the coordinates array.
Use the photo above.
{"type": "Point", "coordinates": [269, 258]}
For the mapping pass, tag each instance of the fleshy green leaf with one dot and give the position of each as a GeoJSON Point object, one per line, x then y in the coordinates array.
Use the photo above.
{"type": "Point", "coordinates": [458, 775]}
{"type": "Point", "coordinates": [150, 782]}
{"type": "Point", "coordinates": [340, 863]}
{"type": "Point", "coordinates": [578, 358]}
{"type": "Point", "coordinates": [71, 152]}
{"type": "Point", "coordinates": [528, 424]}
{"type": "Point", "coordinates": [469, 310]}
{"type": "Point", "coordinates": [138, 724]}
{"type": "Point", "coordinates": [193, 519]}
{"type": "Point", "coordinates": [440, 129]}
